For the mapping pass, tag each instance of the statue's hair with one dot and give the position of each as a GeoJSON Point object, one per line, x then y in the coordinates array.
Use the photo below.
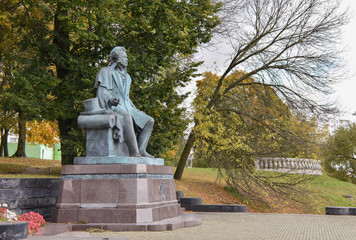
{"type": "Point", "coordinates": [116, 50]}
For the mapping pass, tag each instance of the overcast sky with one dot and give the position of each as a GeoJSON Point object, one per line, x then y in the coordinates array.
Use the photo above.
{"type": "Point", "coordinates": [345, 92]}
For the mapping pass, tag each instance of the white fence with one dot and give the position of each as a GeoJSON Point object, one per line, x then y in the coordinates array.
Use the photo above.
{"type": "Point", "coordinates": [290, 165]}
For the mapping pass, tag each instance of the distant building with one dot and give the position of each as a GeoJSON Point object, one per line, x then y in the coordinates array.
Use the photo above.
{"type": "Point", "coordinates": [35, 150]}
{"type": "Point", "coordinates": [336, 122]}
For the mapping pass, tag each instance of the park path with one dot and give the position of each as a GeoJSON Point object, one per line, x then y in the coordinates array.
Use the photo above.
{"type": "Point", "coordinates": [244, 226]}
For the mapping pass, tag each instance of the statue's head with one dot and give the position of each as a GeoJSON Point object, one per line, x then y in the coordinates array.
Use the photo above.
{"type": "Point", "coordinates": [118, 55]}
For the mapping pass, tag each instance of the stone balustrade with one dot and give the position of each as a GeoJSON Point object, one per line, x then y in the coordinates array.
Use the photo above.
{"type": "Point", "coordinates": [290, 165]}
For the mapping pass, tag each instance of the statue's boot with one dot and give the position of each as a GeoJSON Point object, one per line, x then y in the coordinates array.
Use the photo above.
{"type": "Point", "coordinates": [143, 138]}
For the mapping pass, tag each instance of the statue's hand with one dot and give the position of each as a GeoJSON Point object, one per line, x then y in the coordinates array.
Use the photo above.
{"type": "Point", "coordinates": [114, 101]}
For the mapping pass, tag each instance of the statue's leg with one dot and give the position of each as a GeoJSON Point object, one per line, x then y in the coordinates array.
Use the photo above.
{"type": "Point", "coordinates": [129, 134]}
{"type": "Point", "coordinates": [144, 136]}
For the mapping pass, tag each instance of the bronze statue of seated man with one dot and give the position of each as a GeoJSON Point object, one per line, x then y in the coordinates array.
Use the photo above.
{"type": "Point", "coordinates": [113, 88]}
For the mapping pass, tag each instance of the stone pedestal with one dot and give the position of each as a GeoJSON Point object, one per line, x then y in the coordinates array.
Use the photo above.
{"type": "Point", "coordinates": [129, 194]}
{"type": "Point", "coordinates": [111, 190]}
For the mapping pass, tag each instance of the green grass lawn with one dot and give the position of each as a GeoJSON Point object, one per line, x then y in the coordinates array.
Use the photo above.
{"type": "Point", "coordinates": [205, 183]}
{"type": "Point", "coordinates": [329, 192]}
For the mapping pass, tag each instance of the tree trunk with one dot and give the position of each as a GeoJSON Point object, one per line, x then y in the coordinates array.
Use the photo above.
{"type": "Point", "coordinates": [68, 150]}
{"type": "Point", "coordinates": [190, 142]}
{"type": "Point", "coordinates": [65, 123]}
{"type": "Point", "coordinates": [2, 142]}
{"type": "Point", "coordinates": [183, 158]}
{"type": "Point", "coordinates": [21, 146]}
{"type": "Point", "coordinates": [6, 149]}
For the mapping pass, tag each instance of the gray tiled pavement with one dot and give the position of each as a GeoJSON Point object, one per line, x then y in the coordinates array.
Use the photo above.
{"type": "Point", "coordinates": [242, 226]}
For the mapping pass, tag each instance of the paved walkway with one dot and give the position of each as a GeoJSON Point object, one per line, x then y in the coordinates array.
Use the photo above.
{"type": "Point", "coordinates": [220, 226]}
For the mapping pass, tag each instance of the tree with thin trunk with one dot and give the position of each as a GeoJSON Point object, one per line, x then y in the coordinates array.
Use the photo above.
{"type": "Point", "coordinates": [290, 46]}
{"type": "Point", "coordinates": [250, 123]}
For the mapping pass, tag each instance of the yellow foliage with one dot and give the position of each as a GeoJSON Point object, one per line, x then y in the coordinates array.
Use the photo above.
{"type": "Point", "coordinates": [249, 120]}
{"type": "Point", "coordinates": [44, 132]}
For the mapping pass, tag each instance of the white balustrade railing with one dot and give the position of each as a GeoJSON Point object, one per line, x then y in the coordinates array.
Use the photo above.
{"type": "Point", "coordinates": [290, 165]}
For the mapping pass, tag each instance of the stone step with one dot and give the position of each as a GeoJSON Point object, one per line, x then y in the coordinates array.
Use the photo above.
{"type": "Point", "coordinates": [190, 201]}
{"type": "Point", "coordinates": [13, 230]}
{"type": "Point", "coordinates": [184, 220]}
{"type": "Point", "coordinates": [196, 205]}
{"type": "Point", "coordinates": [340, 211]}
{"type": "Point", "coordinates": [216, 208]}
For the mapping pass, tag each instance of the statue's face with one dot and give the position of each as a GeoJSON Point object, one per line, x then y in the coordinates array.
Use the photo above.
{"type": "Point", "coordinates": [120, 57]}
{"type": "Point", "coordinates": [123, 58]}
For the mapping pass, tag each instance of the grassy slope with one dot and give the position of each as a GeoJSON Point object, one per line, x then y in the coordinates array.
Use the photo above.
{"type": "Point", "coordinates": [203, 182]}
{"type": "Point", "coordinates": [325, 191]}
{"type": "Point", "coordinates": [29, 168]}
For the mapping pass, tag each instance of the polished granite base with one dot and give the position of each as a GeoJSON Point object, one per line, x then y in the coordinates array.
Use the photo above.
{"type": "Point", "coordinates": [116, 193]}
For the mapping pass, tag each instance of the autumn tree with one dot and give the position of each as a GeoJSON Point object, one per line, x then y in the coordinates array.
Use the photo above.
{"type": "Point", "coordinates": [290, 46]}
{"type": "Point", "coordinates": [72, 39]}
{"type": "Point", "coordinates": [251, 122]}
{"type": "Point", "coordinates": [339, 153]}
{"type": "Point", "coordinates": [42, 132]}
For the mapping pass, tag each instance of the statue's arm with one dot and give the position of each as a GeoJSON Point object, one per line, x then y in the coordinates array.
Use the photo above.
{"type": "Point", "coordinates": [102, 83]}
{"type": "Point", "coordinates": [104, 97]}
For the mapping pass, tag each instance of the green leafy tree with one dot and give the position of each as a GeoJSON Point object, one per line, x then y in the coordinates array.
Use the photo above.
{"type": "Point", "coordinates": [290, 46]}
{"type": "Point", "coordinates": [73, 38]}
{"type": "Point", "coordinates": [26, 80]}
{"type": "Point", "coordinates": [339, 154]}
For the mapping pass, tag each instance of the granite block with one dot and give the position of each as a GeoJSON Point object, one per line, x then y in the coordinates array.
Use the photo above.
{"type": "Point", "coordinates": [6, 194]}
{"type": "Point", "coordinates": [99, 191]}
{"type": "Point", "coordinates": [160, 169]}
{"type": "Point", "coordinates": [52, 183]}
{"type": "Point", "coordinates": [13, 230]}
{"type": "Point", "coordinates": [144, 215]}
{"type": "Point", "coordinates": [34, 183]}
{"type": "Point", "coordinates": [127, 191]}
{"type": "Point", "coordinates": [216, 208]}
{"type": "Point", "coordinates": [155, 214]}
{"type": "Point", "coordinates": [352, 211]}
{"type": "Point", "coordinates": [126, 216]}
{"type": "Point", "coordinates": [337, 211]}
{"type": "Point", "coordinates": [10, 183]}
{"type": "Point", "coordinates": [65, 215]}
{"type": "Point", "coordinates": [38, 192]}
{"type": "Point", "coordinates": [142, 191]}
{"type": "Point", "coordinates": [71, 169]}
{"type": "Point", "coordinates": [184, 202]}
{"type": "Point", "coordinates": [69, 191]}
{"type": "Point", "coordinates": [98, 215]}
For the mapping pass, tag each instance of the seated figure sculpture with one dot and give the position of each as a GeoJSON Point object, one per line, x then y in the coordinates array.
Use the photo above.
{"type": "Point", "coordinates": [113, 88]}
